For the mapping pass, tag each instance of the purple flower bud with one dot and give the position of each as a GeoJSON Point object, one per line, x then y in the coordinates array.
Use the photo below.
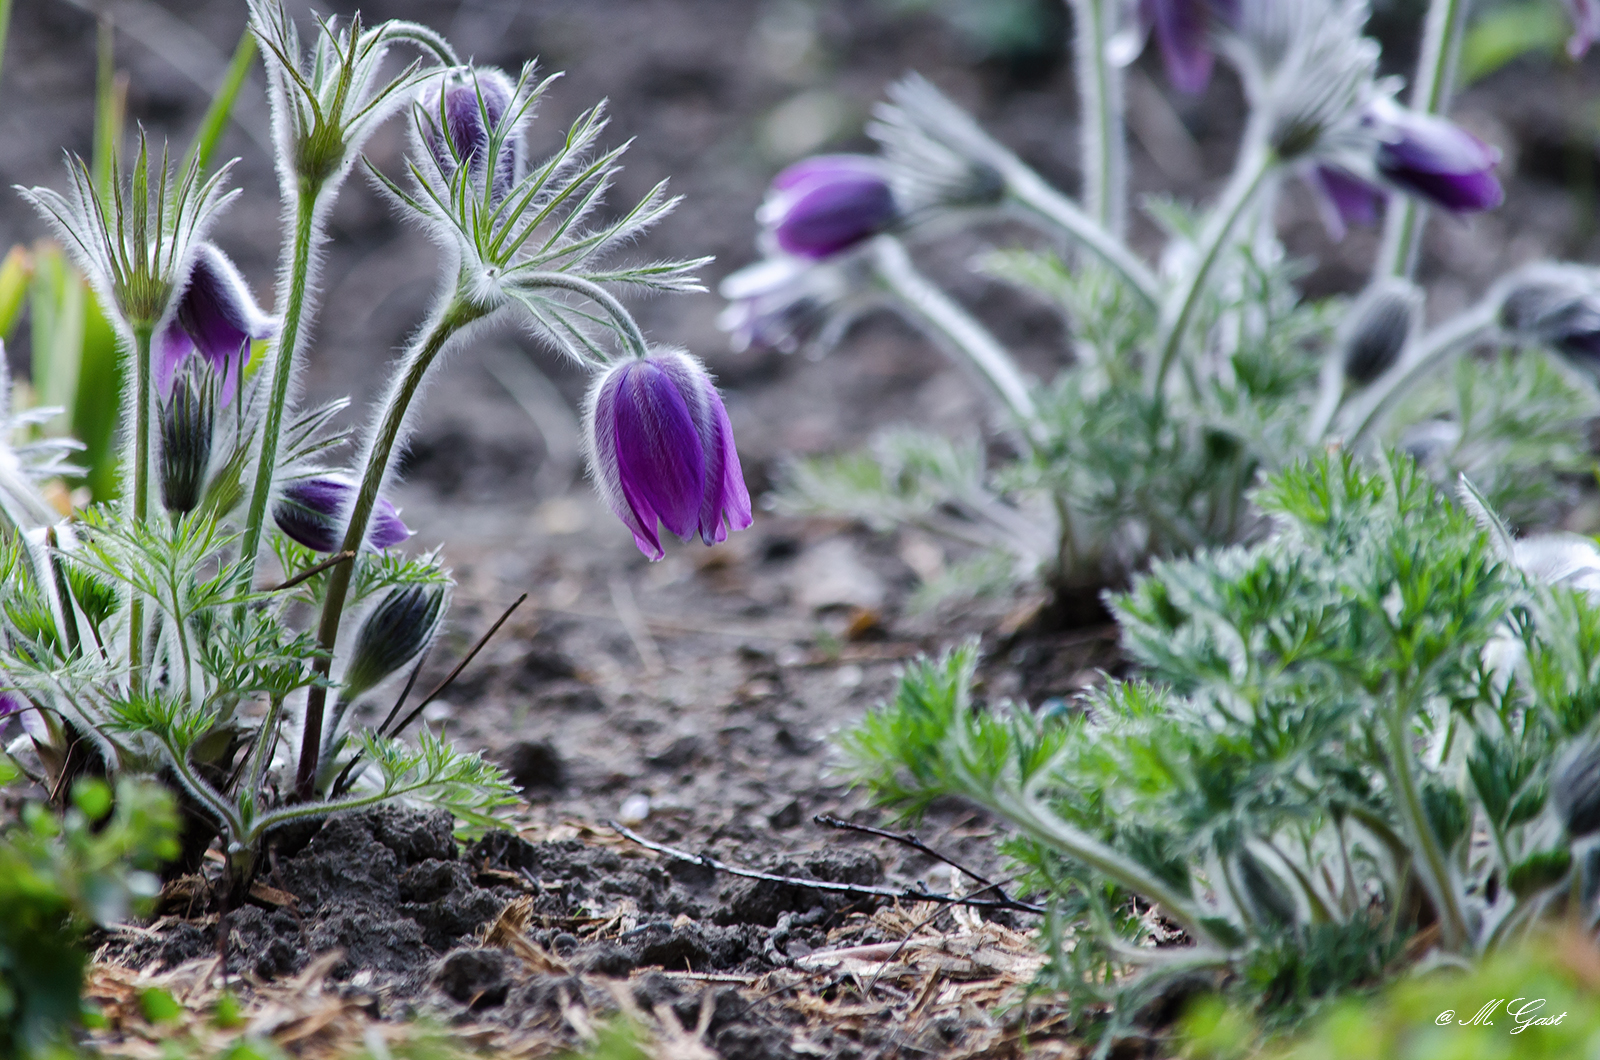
{"type": "Point", "coordinates": [1434, 158]}
{"type": "Point", "coordinates": [313, 512]}
{"type": "Point", "coordinates": [1585, 26]}
{"type": "Point", "coordinates": [829, 203]}
{"type": "Point", "coordinates": [463, 138]}
{"type": "Point", "coordinates": [1343, 199]}
{"type": "Point", "coordinates": [217, 318]}
{"type": "Point", "coordinates": [1558, 308]}
{"type": "Point", "coordinates": [1183, 30]}
{"type": "Point", "coordinates": [11, 703]}
{"type": "Point", "coordinates": [661, 450]}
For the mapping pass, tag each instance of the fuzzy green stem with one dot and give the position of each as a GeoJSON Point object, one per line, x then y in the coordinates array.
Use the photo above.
{"type": "Point", "coordinates": [1436, 875]}
{"type": "Point", "coordinates": [282, 371]}
{"type": "Point", "coordinates": [1426, 354]}
{"type": "Point", "coordinates": [1430, 94]}
{"type": "Point", "coordinates": [457, 314]}
{"type": "Point", "coordinates": [141, 477]}
{"type": "Point", "coordinates": [1038, 822]}
{"type": "Point", "coordinates": [1105, 152]}
{"type": "Point", "coordinates": [1039, 201]}
{"type": "Point", "coordinates": [953, 325]}
{"type": "Point", "coordinates": [1255, 165]}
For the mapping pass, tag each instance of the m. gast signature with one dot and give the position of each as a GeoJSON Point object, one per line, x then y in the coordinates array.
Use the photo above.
{"type": "Point", "coordinates": [1524, 1013]}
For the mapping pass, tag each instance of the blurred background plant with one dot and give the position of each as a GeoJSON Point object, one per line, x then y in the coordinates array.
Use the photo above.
{"type": "Point", "coordinates": [1183, 381]}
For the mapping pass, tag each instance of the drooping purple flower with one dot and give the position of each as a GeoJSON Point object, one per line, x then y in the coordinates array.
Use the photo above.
{"type": "Point", "coordinates": [456, 131]}
{"type": "Point", "coordinates": [1434, 158]}
{"type": "Point", "coordinates": [1343, 199]}
{"type": "Point", "coordinates": [1183, 31]}
{"type": "Point", "coordinates": [661, 451]}
{"type": "Point", "coordinates": [1585, 26]}
{"type": "Point", "coordinates": [313, 512]}
{"type": "Point", "coordinates": [829, 203]}
{"type": "Point", "coordinates": [216, 319]}
{"type": "Point", "coordinates": [777, 303]}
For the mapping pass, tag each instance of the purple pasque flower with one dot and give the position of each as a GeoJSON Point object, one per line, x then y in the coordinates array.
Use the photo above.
{"type": "Point", "coordinates": [1585, 26]}
{"type": "Point", "coordinates": [216, 320]}
{"type": "Point", "coordinates": [779, 303]}
{"type": "Point", "coordinates": [313, 512]}
{"type": "Point", "coordinates": [1343, 199]}
{"type": "Point", "coordinates": [11, 703]}
{"type": "Point", "coordinates": [1183, 31]}
{"type": "Point", "coordinates": [456, 127]}
{"type": "Point", "coordinates": [661, 451]}
{"type": "Point", "coordinates": [1433, 158]}
{"type": "Point", "coordinates": [823, 205]}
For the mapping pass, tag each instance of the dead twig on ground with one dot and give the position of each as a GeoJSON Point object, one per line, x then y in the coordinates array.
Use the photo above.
{"type": "Point", "coordinates": [911, 894]}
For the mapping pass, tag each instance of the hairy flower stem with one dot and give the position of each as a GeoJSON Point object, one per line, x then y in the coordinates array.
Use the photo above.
{"type": "Point", "coordinates": [1435, 869]}
{"type": "Point", "coordinates": [1038, 201]}
{"type": "Point", "coordinates": [141, 478]}
{"type": "Point", "coordinates": [282, 371]}
{"type": "Point", "coordinates": [947, 322]}
{"type": "Point", "coordinates": [1257, 163]}
{"type": "Point", "coordinates": [1430, 94]}
{"type": "Point", "coordinates": [1427, 353]}
{"type": "Point", "coordinates": [1033, 818]}
{"type": "Point", "coordinates": [458, 312]}
{"type": "Point", "coordinates": [1105, 151]}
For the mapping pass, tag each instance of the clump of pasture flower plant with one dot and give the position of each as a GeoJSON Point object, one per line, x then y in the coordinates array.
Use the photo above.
{"type": "Point", "coordinates": [1363, 742]}
{"type": "Point", "coordinates": [139, 637]}
{"type": "Point", "coordinates": [1187, 378]}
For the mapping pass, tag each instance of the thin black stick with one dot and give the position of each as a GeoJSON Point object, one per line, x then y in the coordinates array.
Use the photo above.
{"type": "Point", "coordinates": [462, 665]}
{"type": "Point", "coordinates": [312, 572]}
{"type": "Point", "coordinates": [915, 894]}
{"type": "Point", "coordinates": [405, 693]}
{"type": "Point", "coordinates": [908, 839]}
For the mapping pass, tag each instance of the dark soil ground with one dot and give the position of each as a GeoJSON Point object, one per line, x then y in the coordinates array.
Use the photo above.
{"type": "Point", "coordinates": [692, 698]}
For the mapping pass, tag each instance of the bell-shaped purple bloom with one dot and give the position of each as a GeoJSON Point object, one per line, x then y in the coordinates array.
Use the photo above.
{"type": "Point", "coordinates": [661, 451]}
{"type": "Point", "coordinates": [1183, 30]}
{"type": "Point", "coordinates": [1434, 158]}
{"type": "Point", "coordinates": [457, 120]}
{"type": "Point", "coordinates": [1343, 199]}
{"type": "Point", "coordinates": [216, 319]}
{"type": "Point", "coordinates": [313, 511]}
{"type": "Point", "coordinates": [829, 203]}
{"type": "Point", "coordinates": [1585, 26]}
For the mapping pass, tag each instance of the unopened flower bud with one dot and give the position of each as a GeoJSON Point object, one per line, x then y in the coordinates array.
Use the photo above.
{"type": "Point", "coordinates": [823, 205]}
{"type": "Point", "coordinates": [1557, 307]}
{"type": "Point", "coordinates": [391, 635]}
{"type": "Point", "coordinates": [187, 420]}
{"type": "Point", "coordinates": [313, 511]}
{"type": "Point", "coordinates": [1434, 158]}
{"type": "Point", "coordinates": [216, 320]}
{"type": "Point", "coordinates": [1376, 330]}
{"type": "Point", "coordinates": [661, 451]}
{"type": "Point", "coordinates": [458, 120]}
{"type": "Point", "coordinates": [1575, 787]}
